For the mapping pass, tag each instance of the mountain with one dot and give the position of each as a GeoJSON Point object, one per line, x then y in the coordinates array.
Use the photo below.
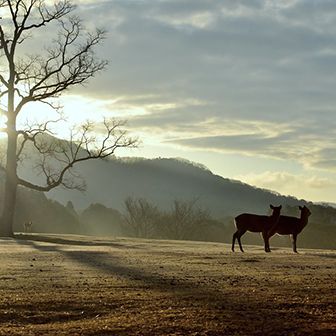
{"type": "Point", "coordinates": [161, 181]}
{"type": "Point", "coordinates": [327, 204]}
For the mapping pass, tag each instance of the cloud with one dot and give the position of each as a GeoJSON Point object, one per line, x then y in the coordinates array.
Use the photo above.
{"type": "Point", "coordinates": [326, 158]}
{"type": "Point", "coordinates": [310, 145]}
{"type": "Point", "coordinates": [283, 180]}
{"type": "Point", "coordinates": [305, 185]}
{"type": "Point", "coordinates": [254, 77]}
{"type": "Point", "coordinates": [159, 46]}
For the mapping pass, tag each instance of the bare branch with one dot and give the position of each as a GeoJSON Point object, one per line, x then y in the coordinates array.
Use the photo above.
{"type": "Point", "coordinates": [45, 15]}
{"type": "Point", "coordinates": [3, 81]}
{"type": "Point", "coordinates": [141, 217]}
{"type": "Point", "coordinates": [58, 158]}
{"type": "Point", "coordinates": [69, 61]}
{"type": "Point", "coordinates": [31, 133]}
{"type": "Point", "coordinates": [66, 65]}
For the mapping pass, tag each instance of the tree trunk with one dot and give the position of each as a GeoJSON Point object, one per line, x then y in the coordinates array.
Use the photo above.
{"type": "Point", "coordinates": [6, 228]}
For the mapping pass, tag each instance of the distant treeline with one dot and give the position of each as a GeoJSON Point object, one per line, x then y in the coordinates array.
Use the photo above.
{"type": "Point", "coordinates": [184, 220]}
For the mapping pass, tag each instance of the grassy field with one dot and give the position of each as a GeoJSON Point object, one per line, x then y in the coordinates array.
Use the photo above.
{"type": "Point", "coordinates": [73, 285]}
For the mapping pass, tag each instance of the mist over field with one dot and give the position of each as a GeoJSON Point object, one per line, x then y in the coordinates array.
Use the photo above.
{"type": "Point", "coordinates": [171, 199]}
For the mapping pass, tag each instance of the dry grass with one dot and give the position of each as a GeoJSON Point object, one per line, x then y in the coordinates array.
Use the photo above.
{"type": "Point", "coordinates": [70, 285]}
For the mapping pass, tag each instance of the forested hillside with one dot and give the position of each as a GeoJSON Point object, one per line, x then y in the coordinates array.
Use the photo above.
{"type": "Point", "coordinates": [161, 181]}
{"type": "Point", "coordinates": [164, 199]}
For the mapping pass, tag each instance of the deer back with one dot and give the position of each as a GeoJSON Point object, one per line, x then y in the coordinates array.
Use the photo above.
{"type": "Point", "coordinates": [288, 225]}
{"type": "Point", "coordinates": [252, 222]}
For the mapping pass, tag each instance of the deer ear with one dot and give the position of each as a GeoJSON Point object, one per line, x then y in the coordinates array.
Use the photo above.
{"type": "Point", "coordinates": [271, 206]}
{"type": "Point", "coordinates": [280, 207]}
{"type": "Point", "coordinates": [300, 207]}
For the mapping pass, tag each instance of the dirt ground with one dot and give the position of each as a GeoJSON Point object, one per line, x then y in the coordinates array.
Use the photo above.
{"type": "Point", "coordinates": [72, 285]}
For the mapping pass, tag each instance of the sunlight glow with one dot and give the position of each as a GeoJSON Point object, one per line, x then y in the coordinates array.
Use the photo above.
{"type": "Point", "coordinates": [75, 111]}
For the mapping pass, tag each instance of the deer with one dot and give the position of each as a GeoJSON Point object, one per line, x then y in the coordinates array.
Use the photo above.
{"type": "Point", "coordinates": [27, 226]}
{"type": "Point", "coordinates": [288, 225]}
{"type": "Point", "coordinates": [256, 223]}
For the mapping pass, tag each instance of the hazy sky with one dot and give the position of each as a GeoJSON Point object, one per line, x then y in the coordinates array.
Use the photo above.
{"type": "Point", "coordinates": [246, 88]}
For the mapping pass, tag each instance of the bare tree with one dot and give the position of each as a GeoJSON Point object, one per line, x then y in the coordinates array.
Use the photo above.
{"type": "Point", "coordinates": [141, 217]}
{"type": "Point", "coordinates": [43, 77]}
{"type": "Point", "coordinates": [186, 220]}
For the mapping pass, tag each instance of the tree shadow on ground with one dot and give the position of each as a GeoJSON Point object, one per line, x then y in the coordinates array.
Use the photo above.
{"type": "Point", "coordinates": [226, 303]}
{"type": "Point", "coordinates": [75, 242]}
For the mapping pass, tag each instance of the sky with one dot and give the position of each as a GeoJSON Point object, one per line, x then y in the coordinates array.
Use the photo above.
{"type": "Point", "coordinates": [246, 87]}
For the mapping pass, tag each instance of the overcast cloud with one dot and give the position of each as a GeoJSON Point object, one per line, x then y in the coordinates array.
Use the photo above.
{"type": "Point", "coordinates": [253, 77]}
{"type": "Point", "coordinates": [246, 84]}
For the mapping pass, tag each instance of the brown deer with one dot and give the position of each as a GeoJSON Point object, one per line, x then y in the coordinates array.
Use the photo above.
{"type": "Point", "coordinates": [288, 225]}
{"type": "Point", "coordinates": [255, 223]}
{"type": "Point", "coordinates": [27, 226]}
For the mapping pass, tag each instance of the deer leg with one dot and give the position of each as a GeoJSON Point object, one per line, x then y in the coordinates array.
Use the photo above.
{"type": "Point", "coordinates": [294, 236]}
{"type": "Point", "coordinates": [266, 241]}
{"type": "Point", "coordinates": [239, 235]}
{"type": "Point", "coordinates": [234, 237]}
{"type": "Point", "coordinates": [269, 235]}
